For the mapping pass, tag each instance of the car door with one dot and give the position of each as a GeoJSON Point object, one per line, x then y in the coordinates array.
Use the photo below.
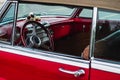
{"type": "Point", "coordinates": [20, 63]}
{"type": "Point", "coordinates": [106, 62]}
{"type": "Point", "coordinates": [17, 64]}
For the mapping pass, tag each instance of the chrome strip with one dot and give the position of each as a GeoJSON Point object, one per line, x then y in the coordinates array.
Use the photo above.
{"type": "Point", "coordinates": [105, 66]}
{"type": "Point", "coordinates": [49, 56]}
{"type": "Point", "coordinates": [15, 20]}
{"type": "Point", "coordinates": [93, 31]}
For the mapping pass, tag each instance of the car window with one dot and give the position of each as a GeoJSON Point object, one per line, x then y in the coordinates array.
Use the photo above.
{"type": "Point", "coordinates": [7, 22]}
{"type": "Point", "coordinates": [86, 13]}
{"type": "Point", "coordinates": [107, 45]}
{"type": "Point", "coordinates": [60, 34]}
{"type": "Point", "coordinates": [108, 15]}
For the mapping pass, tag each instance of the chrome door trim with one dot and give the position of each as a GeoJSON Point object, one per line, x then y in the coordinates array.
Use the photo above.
{"type": "Point", "coordinates": [93, 31]}
{"type": "Point", "coordinates": [14, 22]}
{"type": "Point", "coordinates": [105, 66]}
{"type": "Point", "coordinates": [44, 55]}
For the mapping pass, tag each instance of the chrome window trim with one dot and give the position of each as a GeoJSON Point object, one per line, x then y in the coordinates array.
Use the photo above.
{"type": "Point", "coordinates": [93, 31]}
{"type": "Point", "coordinates": [105, 66]}
{"type": "Point", "coordinates": [14, 22]}
{"type": "Point", "coordinates": [44, 55]}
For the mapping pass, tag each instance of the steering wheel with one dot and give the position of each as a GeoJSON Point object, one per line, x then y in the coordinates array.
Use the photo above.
{"type": "Point", "coordinates": [35, 35]}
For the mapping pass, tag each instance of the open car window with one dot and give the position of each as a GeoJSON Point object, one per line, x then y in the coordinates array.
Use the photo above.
{"type": "Point", "coordinates": [107, 45]}
{"type": "Point", "coordinates": [61, 34]}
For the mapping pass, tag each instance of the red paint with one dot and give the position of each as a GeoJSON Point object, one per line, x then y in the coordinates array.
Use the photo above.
{"type": "Point", "coordinates": [103, 75]}
{"type": "Point", "coordinates": [60, 31]}
{"type": "Point", "coordinates": [17, 67]}
{"type": "Point", "coordinates": [2, 79]}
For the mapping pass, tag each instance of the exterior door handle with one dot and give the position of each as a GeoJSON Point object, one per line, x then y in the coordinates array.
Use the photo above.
{"type": "Point", "coordinates": [75, 73]}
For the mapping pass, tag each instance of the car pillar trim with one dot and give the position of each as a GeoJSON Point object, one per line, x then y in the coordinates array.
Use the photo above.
{"type": "Point", "coordinates": [93, 31]}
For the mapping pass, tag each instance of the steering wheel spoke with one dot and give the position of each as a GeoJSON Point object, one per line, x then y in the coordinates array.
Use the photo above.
{"type": "Point", "coordinates": [34, 29]}
{"type": "Point", "coordinates": [34, 36]}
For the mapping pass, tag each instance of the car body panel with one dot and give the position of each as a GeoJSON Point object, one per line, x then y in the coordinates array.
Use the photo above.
{"type": "Point", "coordinates": [18, 65]}
{"type": "Point", "coordinates": [107, 71]}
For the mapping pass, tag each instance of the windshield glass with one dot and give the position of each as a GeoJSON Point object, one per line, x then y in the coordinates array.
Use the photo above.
{"type": "Point", "coordinates": [44, 10]}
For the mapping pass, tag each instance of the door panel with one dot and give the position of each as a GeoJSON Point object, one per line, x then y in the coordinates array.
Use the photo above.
{"type": "Point", "coordinates": [104, 75]}
{"type": "Point", "coordinates": [105, 71]}
{"type": "Point", "coordinates": [19, 65]}
{"type": "Point", "coordinates": [106, 64]}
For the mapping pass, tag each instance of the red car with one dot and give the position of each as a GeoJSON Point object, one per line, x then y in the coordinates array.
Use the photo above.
{"type": "Point", "coordinates": [60, 40]}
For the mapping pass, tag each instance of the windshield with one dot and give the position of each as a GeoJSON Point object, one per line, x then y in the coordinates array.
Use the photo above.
{"type": "Point", "coordinates": [44, 10]}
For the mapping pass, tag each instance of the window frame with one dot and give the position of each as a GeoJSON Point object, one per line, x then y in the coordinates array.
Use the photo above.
{"type": "Point", "coordinates": [92, 47]}
{"type": "Point", "coordinates": [58, 53]}
{"type": "Point", "coordinates": [3, 12]}
{"type": "Point", "coordinates": [54, 53]}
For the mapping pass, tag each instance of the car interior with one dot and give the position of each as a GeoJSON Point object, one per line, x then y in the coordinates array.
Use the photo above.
{"type": "Point", "coordinates": [69, 37]}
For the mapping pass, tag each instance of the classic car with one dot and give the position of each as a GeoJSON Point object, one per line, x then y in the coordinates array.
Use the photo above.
{"type": "Point", "coordinates": [60, 40]}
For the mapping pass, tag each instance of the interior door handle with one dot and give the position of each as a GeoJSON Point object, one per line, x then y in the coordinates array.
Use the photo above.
{"type": "Point", "coordinates": [75, 73]}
